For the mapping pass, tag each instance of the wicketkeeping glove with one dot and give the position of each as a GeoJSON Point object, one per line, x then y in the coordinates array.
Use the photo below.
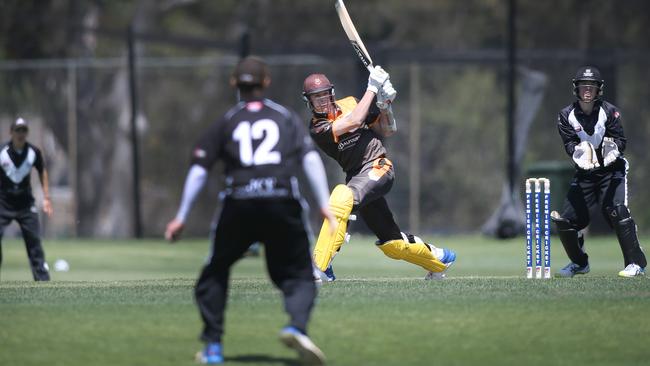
{"type": "Point", "coordinates": [377, 78]}
{"type": "Point", "coordinates": [610, 151]}
{"type": "Point", "coordinates": [584, 156]}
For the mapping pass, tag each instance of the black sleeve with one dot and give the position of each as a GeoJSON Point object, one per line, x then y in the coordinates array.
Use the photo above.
{"type": "Point", "coordinates": [208, 149]}
{"type": "Point", "coordinates": [39, 163]}
{"type": "Point", "coordinates": [569, 136]}
{"type": "Point", "coordinates": [373, 113]}
{"type": "Point", "coordinates": [614, 129]}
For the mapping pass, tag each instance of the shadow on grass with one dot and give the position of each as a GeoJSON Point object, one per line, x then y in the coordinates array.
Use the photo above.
{"type": "Point", "coordinates": [262, 359]}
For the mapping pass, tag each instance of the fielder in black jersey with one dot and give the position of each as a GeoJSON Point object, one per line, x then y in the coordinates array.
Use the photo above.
{"type": "Point", "coordinates": [592, 133]}
{"type": "Point", "coordinates": [262, 145]}
{"type": "Point", "coordinates": [17, 158]}
{"type": "Point", "coordinates": [350, 132]}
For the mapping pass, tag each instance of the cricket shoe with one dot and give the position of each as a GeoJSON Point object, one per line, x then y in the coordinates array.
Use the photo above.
{"type": "Point", "coordinates": [572, 269]}
{"type": "Point", "coordinates": [447, 257]}
{"type": "Point", "coordinates": [632, 270]}
{"type": "Point", "coordinates": [309, 353]}
{"type": "Point", "coordinates": [329, 273]}
{"type": "Point", "coordinates": [211, 354]}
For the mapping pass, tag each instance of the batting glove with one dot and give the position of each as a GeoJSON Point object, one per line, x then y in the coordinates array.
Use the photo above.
{"type": "Point", "coordinates": [377, 78]}
{"type": "Point", "coordinates": [584, 156]}
{"type": "Point", "coordinates": [610, 151]}
{"type": "Point", "coordinates": [386, 95]}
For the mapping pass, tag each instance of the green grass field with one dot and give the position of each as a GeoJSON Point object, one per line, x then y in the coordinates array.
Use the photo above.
{"type": "Point", "coordinates": [130, 303]}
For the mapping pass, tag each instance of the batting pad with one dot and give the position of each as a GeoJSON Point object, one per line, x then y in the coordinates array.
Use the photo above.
{"type": "Point", "coordinates": [340, 204]}
{"type": "Point", "coordinates": [416, 253]}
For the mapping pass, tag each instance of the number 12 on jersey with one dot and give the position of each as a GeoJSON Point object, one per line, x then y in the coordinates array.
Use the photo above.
{"type": "Point", "coordinates": [265, 129]}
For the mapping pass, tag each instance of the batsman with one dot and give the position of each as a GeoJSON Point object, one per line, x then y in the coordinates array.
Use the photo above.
{"type": "Point", "coordinates": [350, 132]}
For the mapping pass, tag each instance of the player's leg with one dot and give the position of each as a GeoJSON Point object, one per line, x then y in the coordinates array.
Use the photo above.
{"type": "Point", "coordinates": [445, 255]}
{"type": "Point", "coordinates": [380, 220]}
{"type": "Point", "coordinates": [5, 220]}
{"type": "Point", "coordinates": [290, 268]}
{"type": "Point", "coordinates": [574, 218]}
{"type": "Point", "coordinates": [615, 209]}
{"type": "Point", "coordinates": [369, 186]}
{"type": "Point", "coordinates": [373, 180]}
{"type": "Point", "coordinates": [330, 240]}
{"type": "Point", "coordinates": [229, 242]}
{"type": "Point", "coordinates": [31, 230]}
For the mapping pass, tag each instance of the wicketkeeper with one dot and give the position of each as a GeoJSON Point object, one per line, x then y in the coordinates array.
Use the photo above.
{"type": "Point", "coordinates": [592, 132]}
{"type": "Point", "coordinates": [350, 132]}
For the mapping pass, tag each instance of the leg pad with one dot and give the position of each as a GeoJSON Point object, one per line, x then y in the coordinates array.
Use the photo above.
{"type": "Point", "coordinates": [416, 253]}
{"type": "Point", "coordinates": [627, 237]}
{"type": "Point", "coordinates": [329, 241]}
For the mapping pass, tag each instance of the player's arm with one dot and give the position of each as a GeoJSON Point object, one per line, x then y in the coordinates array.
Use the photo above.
{"type": "Point", "coordinates": [614, 130]}
{"type": "Point", "coordinates": [568, 134]}
{"type": "Point", "coordinates": [45, 183]}
{"type": "Point", "coordinates": [194, 183]}
{"type": "Point", "coordinates": [357, 117]}
{"type": "Point", "coordinates": [39, 164]}
{"type": "Point", "coordinates": [204, 155]}
{"type": "Point", "coordinates": [614, 141]}
{"type": "Point", "coordinates": [583, 153]}
{"type": "Point", "coordinates": [384, 123]}
{"type": "Point", "coordinates": [315, 172]}
{"type": "Point", "coordinates": [313, 167]}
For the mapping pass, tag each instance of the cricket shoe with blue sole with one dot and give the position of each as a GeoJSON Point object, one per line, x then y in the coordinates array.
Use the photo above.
{"type": "Point", "coordinates": [632, 270]}
{"type": "Point", "coordinates": [572, 269]}
{"type": "Point", "coordinates": [329, 273]}
{"type": "Point", "coordinates": [308, 352]}
{"type": "Point", "coordinates": [447, 257]}
{"type": "Point", "coordinates": [210, 355]}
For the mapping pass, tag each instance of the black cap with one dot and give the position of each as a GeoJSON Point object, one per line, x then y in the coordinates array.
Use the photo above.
{"type": "Point", "coordinates": [19, 124]}
{"type": "Point", "coordinates": [588, 73]}
{"type": "Point", "coordinates": [251, 71]}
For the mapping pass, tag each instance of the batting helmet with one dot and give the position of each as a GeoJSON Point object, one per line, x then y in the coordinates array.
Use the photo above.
{"type": "Point", "coordinates": [589, 74]}
{"type": "Point", "coordinates": [316, 83]}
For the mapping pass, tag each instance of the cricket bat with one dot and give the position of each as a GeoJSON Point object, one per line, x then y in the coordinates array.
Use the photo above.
{"type": "Point", "coordinates": [359, 49]}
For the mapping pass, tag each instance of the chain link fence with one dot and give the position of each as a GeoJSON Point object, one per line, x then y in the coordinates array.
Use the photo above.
{"type": "Point", "coordinates": [449, 152]}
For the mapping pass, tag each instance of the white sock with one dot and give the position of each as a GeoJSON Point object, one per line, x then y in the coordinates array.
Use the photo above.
{"type": "Point", "coordinates": [438, 252]}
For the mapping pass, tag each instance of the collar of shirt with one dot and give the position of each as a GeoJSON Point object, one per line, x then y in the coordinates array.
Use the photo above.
{"type": "Point", "coordinates": [578, 110]}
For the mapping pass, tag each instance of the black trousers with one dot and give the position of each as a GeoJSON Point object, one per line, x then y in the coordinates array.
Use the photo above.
{"type": "Point", "coordinates": [608, 189]}
{"type": "Point", "coordinates": [369, 185]}
{"type": "Point", "coordinates": [27, 219]}
{"type": "Point", "coordinates": [279, 224]}
{"type": "Point", "coordinates": [605, 188]}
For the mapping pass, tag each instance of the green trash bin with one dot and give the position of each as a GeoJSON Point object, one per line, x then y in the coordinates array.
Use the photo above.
{"type": "Point", "coordinates": [559, 172]}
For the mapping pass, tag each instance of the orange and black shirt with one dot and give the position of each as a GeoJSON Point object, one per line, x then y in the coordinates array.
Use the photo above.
{"type": "Point", "coordinates": [352, 149]}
